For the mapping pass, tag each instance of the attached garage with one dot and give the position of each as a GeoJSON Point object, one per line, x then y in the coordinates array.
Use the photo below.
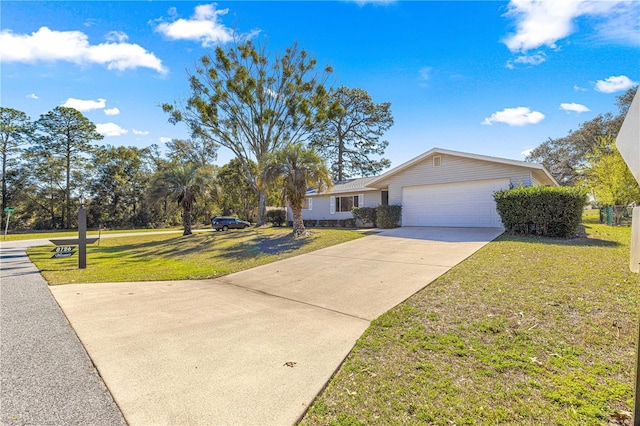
{"type": "Point", "coordinates": [440, 187]}
{"type": "Point", "coordinates": [460, 204]}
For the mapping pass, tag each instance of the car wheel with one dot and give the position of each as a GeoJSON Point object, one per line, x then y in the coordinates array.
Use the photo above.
{"type": "Point", "coordinates": [225, 228]}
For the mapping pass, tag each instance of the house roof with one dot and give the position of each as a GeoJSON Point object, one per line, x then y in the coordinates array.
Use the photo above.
{"type": "Point", "coordinates": [541, 173]}
{"type": "Point", "coordinates": [349, 185]}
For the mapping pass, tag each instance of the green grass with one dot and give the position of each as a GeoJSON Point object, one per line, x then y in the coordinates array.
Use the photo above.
{"type": "Point", "coordinates": [175, 257]}
{"type": "Point", "coordinates": [91, 233]}
{"type": "Point", "coordinates": [527, 331]}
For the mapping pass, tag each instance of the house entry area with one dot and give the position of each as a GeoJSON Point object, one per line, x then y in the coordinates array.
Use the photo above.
{"type": "Point", "coordinates": [462, 204]}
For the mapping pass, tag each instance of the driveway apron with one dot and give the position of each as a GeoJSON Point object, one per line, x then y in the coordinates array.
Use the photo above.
{"type": "Point", "coordinates": [257, 346]}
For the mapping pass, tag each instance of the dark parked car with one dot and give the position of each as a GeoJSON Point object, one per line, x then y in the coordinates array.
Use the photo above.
{"type": "Point", "coordinates": [225, 222]}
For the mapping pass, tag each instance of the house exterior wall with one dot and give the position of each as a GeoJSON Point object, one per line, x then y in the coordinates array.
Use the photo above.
{"type": "Point", "coordinates": [453, 169]}
{"type": "Point", "coordinates": [321, 205]}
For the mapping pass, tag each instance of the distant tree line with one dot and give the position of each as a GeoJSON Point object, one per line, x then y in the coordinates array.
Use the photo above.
{"type": "Point", "coordinates": [589, 157]}
{"type": "Point", "coordinates": [274, 113]}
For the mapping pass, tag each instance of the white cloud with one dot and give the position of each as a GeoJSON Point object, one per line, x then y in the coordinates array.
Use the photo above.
{"type": "Point", "coordinates": [116, 36]}
{"type": "Point", "coordinates": [32, 96]}
{"type": "Point", "coordinates": [615, 84]}
{"type": "Point", "coordinates": [140, 132]}
{"type": "Point", "coordinates": [110, 129]}
{"type": "Point", "coordinates": [578, 88]}
{"type": "Point", "coordinates": [112, 111]}
{"type": "Point", "coordinates": [526, 152]}
{"type": "Point", "coordinates": [535, 59]}
{"type": "Point", "coordinates": [518, 116]}
{"type": "Point", "coordinates": [374, 2]}
{"type": "Point", "coordinates": [203, 27]}
{"type": "Point", "coordinates": [425, 73]}
{"type": "Point", "coordinates": [73, 46]}
{"type": "Point", "coordinates": [573, 107]}
{"type": "Point", "coordinates": [164, 139]}
{"type": "Point", "coordinates": [82, 105]}
{"type": "Point", "coordinates": [543, 23]}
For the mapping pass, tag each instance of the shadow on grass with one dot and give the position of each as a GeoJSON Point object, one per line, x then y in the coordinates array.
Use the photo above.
{"type": "Point", "coordinates": [236, 244]}
{"type": "Point", "coordinates": [273, 244]}
{"type": "Point", "coordinates": [579, 242]}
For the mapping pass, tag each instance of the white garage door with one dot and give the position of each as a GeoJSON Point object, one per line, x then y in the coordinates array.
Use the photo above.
{"type": "Point", "coordinates": [464, 204]}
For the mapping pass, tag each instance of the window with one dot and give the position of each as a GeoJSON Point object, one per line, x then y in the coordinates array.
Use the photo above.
{"type": "Point", "coordinates": [385, 198]}
{"type": "Point", "coordinates": [346, 204]}
{"type": "Point", "coordinates": [308, 204]}
{"type": "Point", "coordinates": [437, 160]}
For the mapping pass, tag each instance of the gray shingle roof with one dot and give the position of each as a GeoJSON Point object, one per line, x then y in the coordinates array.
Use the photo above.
{"type": "Point", "coordinates": [349, 185]}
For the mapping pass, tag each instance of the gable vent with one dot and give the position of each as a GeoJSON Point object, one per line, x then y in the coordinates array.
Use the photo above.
{"type": "Point", "coordinates": [437, 160]}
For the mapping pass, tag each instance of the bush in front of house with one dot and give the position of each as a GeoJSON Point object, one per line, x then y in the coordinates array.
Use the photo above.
{"type": "Point", "coordinates": [347, 223]}
{"type": "Point", "coordinates": [541, 210]}
{"type": "Point", "coordinates": [365, 215]}
{"type": "Point", "coordinates": [276, 217]}
{"type": "Point", "coordinates": [388, 216]}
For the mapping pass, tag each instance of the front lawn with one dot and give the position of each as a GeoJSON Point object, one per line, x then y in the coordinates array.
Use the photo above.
{"type": "Point", "coordinates": [175, 257]}
{"type": "Point", "coordinates": [527, 331]}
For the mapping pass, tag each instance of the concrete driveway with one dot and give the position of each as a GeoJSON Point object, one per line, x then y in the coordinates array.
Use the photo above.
{"type": "Point", "coordinates": [257, 346]}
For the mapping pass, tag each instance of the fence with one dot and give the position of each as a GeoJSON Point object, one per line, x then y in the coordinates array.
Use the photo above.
{"type": "Point", "coordinates": [616, 215]}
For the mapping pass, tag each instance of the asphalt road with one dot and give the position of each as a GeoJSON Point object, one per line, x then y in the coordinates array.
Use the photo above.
{"type": "Point", "coordinates": [46, 376]}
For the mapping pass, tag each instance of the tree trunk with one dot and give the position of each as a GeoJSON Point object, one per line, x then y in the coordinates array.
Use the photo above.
{"type": "Point", "coordinates": [340, 156]}
{"type": "Point", "coordinates": [298, 223]}
{"type": "Point", "coordinates": [186, 220]}
{"type": "Point", "coordinates": [4, 189]}
{"type": "Point", "coordinates": [262, 207]}
{"type": "Point", "coordinates": [68, 193]}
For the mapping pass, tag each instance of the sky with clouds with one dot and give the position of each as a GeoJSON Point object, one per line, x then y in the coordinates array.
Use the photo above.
{"type": "Point", "coordinates": [494, 78]}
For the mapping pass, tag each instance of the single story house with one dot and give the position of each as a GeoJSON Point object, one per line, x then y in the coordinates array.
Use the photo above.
{"type": "Point", "coordinates": [438, 188]}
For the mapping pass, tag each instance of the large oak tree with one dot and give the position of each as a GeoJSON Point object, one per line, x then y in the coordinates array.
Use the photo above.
{"type": "Point", "coordinates": [254, 103]}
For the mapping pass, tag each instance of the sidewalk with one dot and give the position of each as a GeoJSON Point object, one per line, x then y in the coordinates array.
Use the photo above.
{"type": "Point", "coordinates": [46, 376]}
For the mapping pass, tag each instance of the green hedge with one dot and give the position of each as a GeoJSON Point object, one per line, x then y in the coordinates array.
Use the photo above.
{"type": "Point", "coordinates": [541, 210]}
{"type": "Point", "coordinates": [365, 214]}
{"type": "Point", "coordinates": [276, 217]}
{"type": "Point", "coordinates": [388, 216]}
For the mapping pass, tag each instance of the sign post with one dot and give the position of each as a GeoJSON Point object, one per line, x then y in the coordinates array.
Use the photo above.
{"type": "Point", "coordinates": [628, 143]}
{"type": "Point", "coordinates": [82, 236]}
{"type": "Point", "coordinates": [6, 227]}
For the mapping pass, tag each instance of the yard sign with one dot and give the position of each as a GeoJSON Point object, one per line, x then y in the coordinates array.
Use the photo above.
{"type": "Point", "coordinates": [628, 143]}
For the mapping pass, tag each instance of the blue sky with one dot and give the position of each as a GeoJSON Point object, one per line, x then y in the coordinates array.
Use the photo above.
{"type": "Point", "coordinates": [494, 78]}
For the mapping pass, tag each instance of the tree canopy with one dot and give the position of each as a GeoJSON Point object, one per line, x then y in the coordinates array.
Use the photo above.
{"type": "Point", "coordinates": [253, 103]}
{"type": "Point", "coordinates": [66, 135]}
{"type": "Point", "coordinates": [566, 158]}
{"type": "Point", "coordinates": [607, 176]}
{"type": "Point", "coordinates": [296, 168]}
{"type": "Point", "coordinates": [183, 183]}
{"type": "Point", "coordinates": [15, 130]}
{"type": "Point", "coordinates": [351, 135]}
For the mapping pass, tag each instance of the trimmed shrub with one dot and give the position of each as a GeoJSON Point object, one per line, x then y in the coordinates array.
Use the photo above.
{"type": "Point", "coordinates": [309, 223]}
{"type": "Point", "coordinates": [349, 223]}
{"type": "Point", "coordinates": [388, 216]}
{"type": "Point", "coordinates": [322, 222]}
{"type": "Point", "coordinates": [276, 217]}
{"type": "Point", "coordinates": [541, 210]}
{"type": "Point", "coordinates": [365, 215]}
{"type": "Point", "coordinates": [332, 223]}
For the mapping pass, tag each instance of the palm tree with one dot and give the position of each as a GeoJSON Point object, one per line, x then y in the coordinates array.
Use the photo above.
{"type": "Point", "coordinates": [297, 168]}
{"type": "Point", "coordinates": [185, 183]}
